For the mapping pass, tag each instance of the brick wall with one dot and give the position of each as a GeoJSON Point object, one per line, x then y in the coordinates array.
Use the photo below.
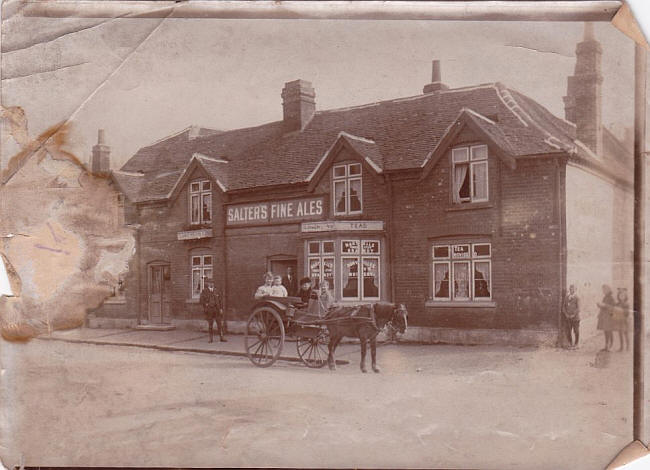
{"type": "Point", "coordinates": [520, 220]}
{"type": "Point", "coordinates": [599, 238]}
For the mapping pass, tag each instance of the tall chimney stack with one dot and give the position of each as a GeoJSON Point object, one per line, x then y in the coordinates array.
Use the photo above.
{"type": "Point", "coordinates": [582, 103]}
{"type": "Point", "coordinates": [436, 79]}
{"type": "Point", "coordinates": [100, 161]}
{"type": "Point", "coordinates": [298, 105]}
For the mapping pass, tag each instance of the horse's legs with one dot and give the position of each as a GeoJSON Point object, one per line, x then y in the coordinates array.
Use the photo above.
{"type": "Point", "coordinates": [363, 354]}
{"type": "Point", "coordinates": [330, 352]}
{"type": "Point", "coordinates": [373, 354]}
{"type": "Point", "coordinates": [334, 342]}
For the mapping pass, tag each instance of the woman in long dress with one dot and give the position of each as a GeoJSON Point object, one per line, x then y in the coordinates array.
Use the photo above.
{"type": "Point", "coordinates": [622, 318]}
{"type": "Point", "coordinates": [605, 316]}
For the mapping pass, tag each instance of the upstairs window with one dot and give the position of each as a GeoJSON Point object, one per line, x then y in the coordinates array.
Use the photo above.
{"type": "Point", "coordinates": [469, 174]}
{"type": "Point", "coordinates": [346, 188]}
{"type": "Point", "coordinates": [200, 202]}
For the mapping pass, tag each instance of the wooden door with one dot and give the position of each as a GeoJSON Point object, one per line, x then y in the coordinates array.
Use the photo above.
{"type": "Point", "coordinates": [156, 294]}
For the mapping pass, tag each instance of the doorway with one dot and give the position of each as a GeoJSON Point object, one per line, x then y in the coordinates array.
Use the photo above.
{"type": "Point", "coordinates": [159, 293]}
{"type": "Point", "coordinates": [278, 265]}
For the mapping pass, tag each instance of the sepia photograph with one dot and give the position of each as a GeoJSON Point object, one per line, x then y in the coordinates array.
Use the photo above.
{"type": "Point", "coordinates": [316, 242]}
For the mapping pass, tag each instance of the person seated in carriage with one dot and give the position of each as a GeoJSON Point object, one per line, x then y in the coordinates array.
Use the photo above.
{"type": "Point", "coordinates": [278, 290]}
{"type": "Point", "coordinates": [324, 300]}
{"type": "Point", "coordinates": [306, 293]}
{"type": "Point", "coordinates": [265, 289]}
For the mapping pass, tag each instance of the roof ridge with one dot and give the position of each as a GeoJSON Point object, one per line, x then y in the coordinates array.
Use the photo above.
{"type": "Point", "coordinates": [128, 173]}
{"type": "Point", "coordinates": [205, 157]}
{"type": "Point", "coordinates": [408, 98]}
{"type": "Point", "coordinates": [477, 114]}
{"type": "Point", "coordinates": [356, 137]}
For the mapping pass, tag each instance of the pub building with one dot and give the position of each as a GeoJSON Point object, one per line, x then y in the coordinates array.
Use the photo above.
{"type": "Point", "coordinates": [475, 207]}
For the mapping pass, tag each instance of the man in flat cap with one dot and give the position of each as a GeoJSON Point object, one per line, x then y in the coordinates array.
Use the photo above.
{"type": "Point", "coordinates": [212, 308]}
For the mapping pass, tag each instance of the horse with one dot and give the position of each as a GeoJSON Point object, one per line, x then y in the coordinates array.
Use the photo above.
{"type": "Point", "coordinates": [363, 322]}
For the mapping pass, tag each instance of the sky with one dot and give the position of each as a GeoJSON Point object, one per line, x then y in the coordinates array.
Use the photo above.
{"type": "Point", "coordinates": [144, 79]}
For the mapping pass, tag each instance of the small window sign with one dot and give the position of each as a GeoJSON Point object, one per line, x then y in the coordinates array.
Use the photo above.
{"type": "Point", "coordinates": [370, 247]}
{"type": "Point", "coordinates": [460, 251]}
{"type": "Point", "coordinates": [350, 246]}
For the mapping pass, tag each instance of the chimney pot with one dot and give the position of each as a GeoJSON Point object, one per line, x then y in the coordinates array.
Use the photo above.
{"type": "Point", "coordinates": [436, 79]}
{"type": "Point", "coordinates": [435, 71]}
{"type": "Point", "coordinates": [100, 162]}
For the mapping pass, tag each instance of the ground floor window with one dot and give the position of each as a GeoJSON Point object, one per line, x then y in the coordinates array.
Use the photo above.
{"type": "Point", "coordinates": [351, 267]}
{"type": "Point", "coordinates": [462, 272]}
{"type": "Point", "coordinates": [201, 266]}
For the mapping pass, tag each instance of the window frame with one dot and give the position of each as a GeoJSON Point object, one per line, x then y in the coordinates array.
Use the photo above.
{"type": "Point", "coordinates": [347, 178]}
{"type": "Point", "coordinates": [200, 194]}
{"type": "Point", "coordinates": [471, 162]}
{"type": "Point", "coordinates": [201, 268]}
{"type": "Point", "coordinates": [452, 261]}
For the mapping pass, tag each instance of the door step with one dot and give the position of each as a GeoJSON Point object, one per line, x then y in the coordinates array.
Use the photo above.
{"type": "Point", "coordinates": [154, 327]}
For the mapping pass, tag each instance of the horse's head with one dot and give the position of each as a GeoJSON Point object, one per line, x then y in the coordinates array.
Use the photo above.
{"type": "Point", "coordinates": [400, 318]}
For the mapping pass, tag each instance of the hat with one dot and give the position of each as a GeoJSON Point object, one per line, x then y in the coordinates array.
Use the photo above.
{"type": "Point", "coordinates": [305, 280]}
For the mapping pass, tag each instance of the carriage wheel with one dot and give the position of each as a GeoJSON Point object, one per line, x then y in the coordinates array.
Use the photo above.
{"type": "Point", "coordinates": [264, 336]}
{"type": "Point", "coordinates": [313, 351]}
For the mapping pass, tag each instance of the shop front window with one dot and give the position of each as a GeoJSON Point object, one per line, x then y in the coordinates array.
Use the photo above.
{"type": "Point", "coordinates": [462, 272]}
{"type": "Point", "coordinates": [360, 267]}
{"type": "Point", "coordinates": [321, 263]}
{"type": "Point", "coordinates": [200, 202]}
{"type": "Point", "coordinates": [201, 266]}
{"type": "Point", "coordinates": [352, 267]}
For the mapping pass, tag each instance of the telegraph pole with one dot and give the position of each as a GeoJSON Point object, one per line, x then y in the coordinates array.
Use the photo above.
{"type": "Point", "coordinates": [639, 238]}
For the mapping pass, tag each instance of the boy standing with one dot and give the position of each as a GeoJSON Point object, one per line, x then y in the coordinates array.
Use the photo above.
{"type": "Point", "coordinates": [571, 310]}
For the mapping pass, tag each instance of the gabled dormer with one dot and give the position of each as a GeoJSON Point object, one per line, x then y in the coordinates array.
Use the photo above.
{"type": "Point", "coordinates": [200, 187]}
{"type": "Point", "coordinates": [351, 164]}
{"type": "Point", "coordinates": [466, 148]}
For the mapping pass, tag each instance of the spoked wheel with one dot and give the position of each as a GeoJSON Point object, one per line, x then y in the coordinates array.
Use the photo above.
{"type": "Point", "coordinates": [264, 336]}
{"type": "Point", "coordinates": [313, 351]}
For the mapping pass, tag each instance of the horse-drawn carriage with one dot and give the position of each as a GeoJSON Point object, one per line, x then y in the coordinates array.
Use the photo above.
{"type": "Point", "coordinates": [275, 318]}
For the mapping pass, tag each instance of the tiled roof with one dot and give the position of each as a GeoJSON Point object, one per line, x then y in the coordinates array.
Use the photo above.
{"type": "Point", "coordinates": [129, 183]}
{"type": "Point", "coordinates": [396, 134]}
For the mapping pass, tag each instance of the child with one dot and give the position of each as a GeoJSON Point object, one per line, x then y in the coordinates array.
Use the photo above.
{"type": "Point", "coordinates": [571, 310]}
{"type": "Point", "coordinates": [605, 319]}
{"type": "Point", "coordinates": [265, 289]}
{"type": "Point", "coordinates": [278, 290]}
{"type": "Point", "coordinates": [621, 318]}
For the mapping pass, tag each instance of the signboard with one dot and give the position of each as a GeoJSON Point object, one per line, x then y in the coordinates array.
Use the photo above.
{"type": "Point", "coordinates": [289, 210]}
{"type": "Point", "coordinates": [343, 225]}
{"type": "Point", "coordinates": [194, 234]}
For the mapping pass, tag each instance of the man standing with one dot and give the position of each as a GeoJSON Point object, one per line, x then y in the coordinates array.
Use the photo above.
{"type": "Point", "coordinates": [212, 308]}
{"type": "Point", "coordinates": [290, 282]}
{"type": "Point", "coordinates": [571, 310]}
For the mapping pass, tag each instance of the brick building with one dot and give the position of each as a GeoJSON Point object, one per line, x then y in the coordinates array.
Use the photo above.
{"type": "Point", "coordinates": [475, 206]}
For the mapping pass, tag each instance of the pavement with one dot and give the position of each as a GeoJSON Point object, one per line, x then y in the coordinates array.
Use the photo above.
{"type": "Point", "coordinates": [182, 340]}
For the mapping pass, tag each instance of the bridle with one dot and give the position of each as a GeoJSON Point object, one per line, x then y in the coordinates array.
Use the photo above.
{"type": "Point", "coordinates": [392, 321]}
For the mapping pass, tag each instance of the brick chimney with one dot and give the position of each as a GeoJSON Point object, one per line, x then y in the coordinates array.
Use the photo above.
{"type": "Point", "coordinates": [582, 104]}
{"type": "Point", "coordinates": [100, 161]}
{"type": "Point", "coordinates": [436, 79]}
{"type": "Point", "coordinates": [298, 104]}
